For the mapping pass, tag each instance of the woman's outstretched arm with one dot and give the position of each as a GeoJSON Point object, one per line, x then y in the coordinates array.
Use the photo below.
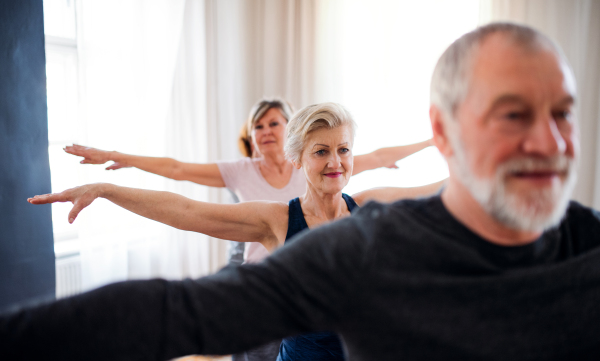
{"type": "Point", "coordinates": [264, 222]}
{"type": "Point", "coordinates": [391, 194]}
{"type": "Point", "coordinates": [386, 157]}
{"type": "Point", "coordinates": [205, 174]}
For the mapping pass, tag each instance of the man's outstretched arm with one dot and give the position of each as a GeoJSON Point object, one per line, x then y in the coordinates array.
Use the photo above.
{"type": "Point", "coordinates": [233, 310]}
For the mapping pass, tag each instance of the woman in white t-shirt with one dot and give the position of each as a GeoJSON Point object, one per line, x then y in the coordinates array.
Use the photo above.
{"type": "Point", "coordinates": [263, 175]}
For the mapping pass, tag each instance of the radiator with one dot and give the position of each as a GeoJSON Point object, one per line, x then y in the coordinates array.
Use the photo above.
{"type": "Point", "coordinates": [68, 276]}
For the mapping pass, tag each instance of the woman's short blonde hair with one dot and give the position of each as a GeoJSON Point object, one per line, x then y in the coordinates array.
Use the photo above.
{"type": "Point", "coordinates": [256, 113]}
{"type": "Point", "coordinates": [311, 118]}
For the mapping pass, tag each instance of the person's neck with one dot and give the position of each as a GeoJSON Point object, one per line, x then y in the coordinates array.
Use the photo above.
{"type": "Point", "coordinates": [323, 206]}
{"type": "Point", "coordinates": [460, 203]}
{"type": "Point", "coordinates": [276, 163]}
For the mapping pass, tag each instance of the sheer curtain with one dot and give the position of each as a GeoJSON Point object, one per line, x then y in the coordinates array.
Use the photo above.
{"type": "Point", "coordinates": [255, 49]}
{"type": "Point", "coordinates": [574, 25]}
{"type": "Point", "coordinates": [143, 89]}
{"type": "Point", "coordinates": [376, 58]}
{"type": "Point", "coordinates": [177, 78]}
{"type": "Point", "coordinates": [188, 139]}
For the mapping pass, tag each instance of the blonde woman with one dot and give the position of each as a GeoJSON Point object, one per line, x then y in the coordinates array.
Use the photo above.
{"type": "Point", "coordinates": [319, 144]}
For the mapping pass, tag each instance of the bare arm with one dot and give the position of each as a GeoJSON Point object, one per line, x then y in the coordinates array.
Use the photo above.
{"type": "Point", "coordinates": [391, 194]}
{"type": "Point", "coordinates": [264, 222]}
{"type": "Point", "coordinates": [205, 174]}
{"type": "Point", "coordinates": [386, 157]}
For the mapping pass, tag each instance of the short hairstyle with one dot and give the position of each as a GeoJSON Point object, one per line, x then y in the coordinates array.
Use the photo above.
{"type": "Point", "coordinates": [311, 118]}
{"type": "Point", "coordinates": [452, 74]}
{"type": "Point", "coordinates": [259, 109]}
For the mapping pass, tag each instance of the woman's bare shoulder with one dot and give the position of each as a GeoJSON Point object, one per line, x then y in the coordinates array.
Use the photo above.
{"type": "Point", "coordinates": [276, 215]}
{"type": "Point", "coordinates": [277, 210]}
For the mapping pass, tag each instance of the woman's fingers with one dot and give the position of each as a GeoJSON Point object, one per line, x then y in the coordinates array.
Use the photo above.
{"type": "Point", "coordinates": [116, 165]}
{"type": "Point", "coordinates": [81, 197]}
{"type": "Point", "coordinates": [48, 198]}
{"type": "Point", "coordinates": [74, 149]}
{"type": "Point", "coordinates": [77, 207]}
{"type": "Point", "coordinates": [90, 155]}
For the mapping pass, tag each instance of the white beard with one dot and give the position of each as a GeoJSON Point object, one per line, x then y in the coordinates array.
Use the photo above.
{"type": "Point", "coordinates": [536, 211]}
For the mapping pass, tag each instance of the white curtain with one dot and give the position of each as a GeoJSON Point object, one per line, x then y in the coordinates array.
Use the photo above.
{"type": "Point", "coordinates": [256, 48]}
{"type": "Point", "coordinates": [192, 254]}
{"type": "Point", "coordinates": [177, 78]}
{"type": "Point", "coordinates": [143, 88]}
{"type": "Point", "coordinates": [575, 26]}
{"type": "Point", "coordinates": [376, 58]}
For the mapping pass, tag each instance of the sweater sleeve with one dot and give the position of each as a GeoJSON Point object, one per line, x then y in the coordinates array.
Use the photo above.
{"type": "Point", "coordinates": [306, 286]}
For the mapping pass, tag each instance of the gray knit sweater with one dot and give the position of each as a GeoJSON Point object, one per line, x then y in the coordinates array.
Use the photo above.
{"type": "Point", "coordinates": [404, 281]}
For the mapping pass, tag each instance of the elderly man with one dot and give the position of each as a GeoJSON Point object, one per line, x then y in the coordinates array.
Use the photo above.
{"type": "Point", "coordinates": [499, 266]}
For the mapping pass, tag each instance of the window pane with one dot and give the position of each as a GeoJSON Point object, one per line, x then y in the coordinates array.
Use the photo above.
{"type": "Point", "coordinates": [61, 80]}
{"type": "Point", "coordinates": [59, 18]}
{"type": "Point", "coordinates": [64, 175]}
{"type": "Point", "coordinates": [61, 75]}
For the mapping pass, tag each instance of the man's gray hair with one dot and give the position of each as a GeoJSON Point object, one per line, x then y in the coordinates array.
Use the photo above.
{"type": "Point", "coordinates": [452, 73]}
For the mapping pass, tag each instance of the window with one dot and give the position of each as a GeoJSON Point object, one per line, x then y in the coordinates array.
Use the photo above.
{"type": "Point", "coordinates": [110, 69]}
{"type": "Point", "coordinates": [62, 83]}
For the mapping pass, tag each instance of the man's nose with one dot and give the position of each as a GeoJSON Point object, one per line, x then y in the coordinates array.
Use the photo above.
{"type": "Point", "coordinates": [544, 138]}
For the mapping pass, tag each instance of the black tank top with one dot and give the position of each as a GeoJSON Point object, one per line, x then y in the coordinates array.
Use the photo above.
{"type": "Point", "coordinates": [296, 220]}
{"type": "Point", "coordinates": [320, 346]}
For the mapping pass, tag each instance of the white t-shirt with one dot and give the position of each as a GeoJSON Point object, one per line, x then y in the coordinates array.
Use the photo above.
{"type": "Point", "coordinates": [243, 178]}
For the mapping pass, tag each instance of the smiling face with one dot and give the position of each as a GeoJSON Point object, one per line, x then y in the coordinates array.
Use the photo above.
{"type": "Point", "coordinates": [327, 159]}
{"type": "Point", "coordinates": [268, 133]}
{"type": "Point", "coordinates": [514, 141]}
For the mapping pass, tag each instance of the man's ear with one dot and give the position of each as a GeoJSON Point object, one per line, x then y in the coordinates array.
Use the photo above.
{"type": "Point", "coordinates": [440, 131]}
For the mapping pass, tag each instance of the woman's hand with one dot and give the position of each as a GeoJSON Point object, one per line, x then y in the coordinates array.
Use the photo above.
{"type": "Point", "coordinates": [386, 157]}
{"type": "Point", "coordinates": [81, 197]}
{"type": "Point", "coordinates": [117, 165]}
{"type": "Point", "coordinates": [205, 174]}
{"type": "Point", "coordinates": [93, 156]}
{"type": "Point", "coordinates": [392, 194]}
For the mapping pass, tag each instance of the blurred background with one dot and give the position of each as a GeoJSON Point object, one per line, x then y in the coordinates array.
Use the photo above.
{"type": "Point", "coordinates": [177, 78]}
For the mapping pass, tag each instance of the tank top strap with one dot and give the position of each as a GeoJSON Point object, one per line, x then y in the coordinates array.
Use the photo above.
{"type": "Point", "coordinates": [352, 206]}
{"type": "Point", "coordinates": [296, 221]}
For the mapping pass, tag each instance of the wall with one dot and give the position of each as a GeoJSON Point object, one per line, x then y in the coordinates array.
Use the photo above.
{"type": "Point", "coordinates": [26, 243]}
